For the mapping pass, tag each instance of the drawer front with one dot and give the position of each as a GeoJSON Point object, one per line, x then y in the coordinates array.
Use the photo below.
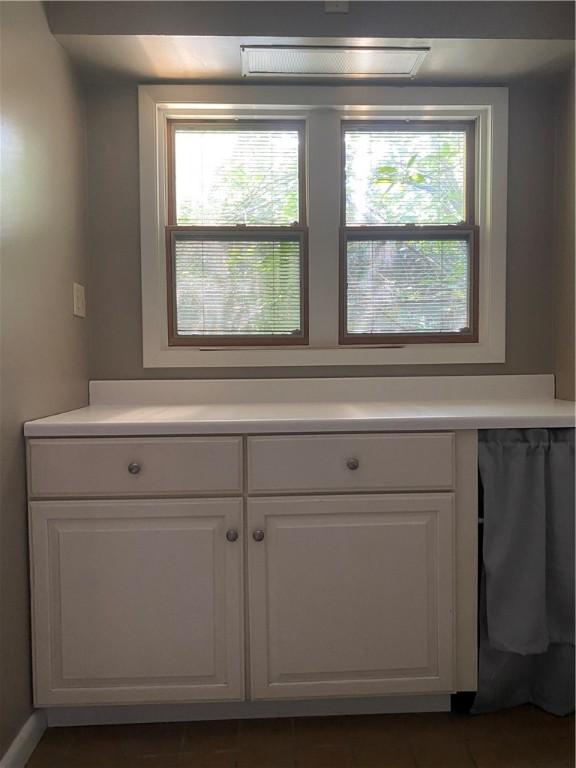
{"type": "Point", "coordinates": [93, 468]}
{"type": "Point", "coordinates": [325, 463]}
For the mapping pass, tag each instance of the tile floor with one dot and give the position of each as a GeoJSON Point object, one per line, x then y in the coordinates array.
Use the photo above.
{"type": "Point", "coordinates": [520, 738]}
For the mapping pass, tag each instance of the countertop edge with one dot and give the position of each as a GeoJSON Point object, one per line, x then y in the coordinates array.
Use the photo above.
{"type": "Point", "coordinates": [290, 426]}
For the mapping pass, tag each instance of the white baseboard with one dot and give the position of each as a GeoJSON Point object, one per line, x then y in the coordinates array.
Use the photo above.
{"type": "Point", "coordinates": [164, 713]}
{"type": "Point", "coordinates": [25, 742]}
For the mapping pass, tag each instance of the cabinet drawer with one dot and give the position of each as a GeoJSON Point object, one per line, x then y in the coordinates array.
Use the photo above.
{"type": "Point", "coordinates": [326, 463]}
{"type": "Point", "coordinates": [134, 467]}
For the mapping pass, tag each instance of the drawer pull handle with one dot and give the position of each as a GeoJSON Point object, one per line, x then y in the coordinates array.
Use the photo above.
{"type": "Point", "coordinates": [134, 468]}
{"type": "Point", "coordinates": [232, 534]}
{"type": "Point", "coordinates": [258, 535]}
{"type": "Point", "coordinates": [352, 464]}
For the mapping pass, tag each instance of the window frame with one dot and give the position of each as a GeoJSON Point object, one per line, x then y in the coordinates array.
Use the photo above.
{"type": "Point", "coordinates": [466, 229]}
{"type": "Point", "coordinates": [297, 232]}
{"type": "Point", "coordinates": [323, 107]}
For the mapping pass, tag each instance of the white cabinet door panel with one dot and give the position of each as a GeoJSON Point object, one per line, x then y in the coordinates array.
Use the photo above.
{"type": "Point", "coordinates": [137, 601]}
{"type": "Point", "coordinates": [351, 595]}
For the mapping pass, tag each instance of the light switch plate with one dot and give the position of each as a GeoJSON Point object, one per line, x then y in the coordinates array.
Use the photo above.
{"type": "Point", "coordinates": [79, 295]}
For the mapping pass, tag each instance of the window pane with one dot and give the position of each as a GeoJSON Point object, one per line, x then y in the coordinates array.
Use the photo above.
{"type": "Point", "coordinates": [235, 288]}
{"type": "Point", "coordinates": [229, 176]}
{"type": "Point", "coordinates": [396, 176]}
{"type": "Point", "coordinates": [408, 286]}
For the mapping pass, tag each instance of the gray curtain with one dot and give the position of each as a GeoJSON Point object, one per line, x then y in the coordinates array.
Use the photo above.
{"type": "Point", "coordinates": [527, 581]}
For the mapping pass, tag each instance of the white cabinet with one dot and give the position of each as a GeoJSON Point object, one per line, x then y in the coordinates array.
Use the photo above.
{"type": "Point", "coordinates": [364, 586]}
{"type": "Point", "coordinates": [351, 595]}
{"type": "Point", "coordinates": [137, 601]}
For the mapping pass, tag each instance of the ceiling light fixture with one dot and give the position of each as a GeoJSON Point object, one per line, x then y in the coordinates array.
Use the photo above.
{"type": "Point", "coordinates": [331, 61]}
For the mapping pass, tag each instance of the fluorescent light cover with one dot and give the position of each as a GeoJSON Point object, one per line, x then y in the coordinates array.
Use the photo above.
{"type": "Point", "coordinates": [330, 61]}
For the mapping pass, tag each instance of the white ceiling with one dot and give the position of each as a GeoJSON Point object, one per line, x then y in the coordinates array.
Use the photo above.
{"type": "Point", "coordinates": [161, 57]}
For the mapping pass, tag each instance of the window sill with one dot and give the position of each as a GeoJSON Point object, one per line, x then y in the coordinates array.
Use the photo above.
{"type": "Point", "coordinates": [242, 357]}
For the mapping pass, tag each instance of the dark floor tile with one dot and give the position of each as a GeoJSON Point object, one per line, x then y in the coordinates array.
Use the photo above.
{"type": "Point", "coordinates": [40, 759]}
{"type": "Point", "coordinates": [361, 727]}
{"type": "Point", "coordinates": [387, 752]}
{"type": "Point", "coordinates": [502, 753]}
{"type": "Point", "coordinates": [423, 722]}
{"type": "Point", "coordinates": [521, 738]}
{"type": "Point", "coordinates": [79, 761]}
{"type": "Point", "coordinates": [558, 754]}
{"type": "Point", "coordinates": [324, 756]}
{"type": "Point", "coordinates": [101, 738]}
{"type": "Point", "coordinates": [266, 744]}
{"type": "Point", "coordinates": [95, 745]}
{"type": "Point", "coordinates": [210, 737]}
{"type": "Point", "coordinates": [400, 741]}
{"type": "Point", "coordinates": [215, 760]}
{"type": "Point", "coordinates": [54, 748]}
{"type": "Point", "coordinates": [151, 740]}
{"type": "Point", "coordinates": [322, 731]}
{"type": "Point", "coordinates": [440, 750]}
{"type": "Point", "coordinates": [322, 742]}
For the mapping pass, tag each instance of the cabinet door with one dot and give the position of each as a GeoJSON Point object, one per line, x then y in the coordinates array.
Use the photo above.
{"type": "Point", "coordinates": [351, 595]}
{"type": "Point", "coordinates": [136, 601]}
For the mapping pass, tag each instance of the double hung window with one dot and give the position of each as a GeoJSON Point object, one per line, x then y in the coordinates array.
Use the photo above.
{"type": "Point", "coordinates": [312, 226]}
{"type": "Point", "coordinates": [236, 234]}
{"type": "Point", "coordinates": [409, 237]}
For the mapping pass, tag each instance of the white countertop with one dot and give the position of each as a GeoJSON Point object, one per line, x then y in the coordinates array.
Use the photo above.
{"type": "Point", "coordinates": [282, 417]}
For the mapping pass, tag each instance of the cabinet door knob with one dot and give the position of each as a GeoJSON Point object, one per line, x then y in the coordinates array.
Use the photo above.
{"type": "Point", "coordinates": [258, 535]}
{"type": "Point", "coordinates": [134, 468]}
{"type": "Point", "coordinates": [352, 464]}
{"type": "Point", "coordinates": [232, 534]}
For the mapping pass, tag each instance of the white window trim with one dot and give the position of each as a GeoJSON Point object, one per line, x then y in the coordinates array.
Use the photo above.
{"type": "Point", "coordinates": [323, 108]}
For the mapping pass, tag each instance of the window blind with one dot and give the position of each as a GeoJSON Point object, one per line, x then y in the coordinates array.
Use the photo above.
{"type": "Point", "coordinates": [238, 287]}
{"type": "Point", "coordinates": [228, 176]}
{"type": "Point", "coordinates": [405, 176]}
{"type": "Point", "coordinates": [408, 286]}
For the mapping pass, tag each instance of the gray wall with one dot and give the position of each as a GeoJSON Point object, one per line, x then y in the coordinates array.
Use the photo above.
{"type": "Point", "coordinates": [43, 355]}
{"type": "Point", "coordinates": [564, 239]}
{"type": "Point", "coordinates": [115, 305]}
{"type": "Point", "coordinates": [487, 19]}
